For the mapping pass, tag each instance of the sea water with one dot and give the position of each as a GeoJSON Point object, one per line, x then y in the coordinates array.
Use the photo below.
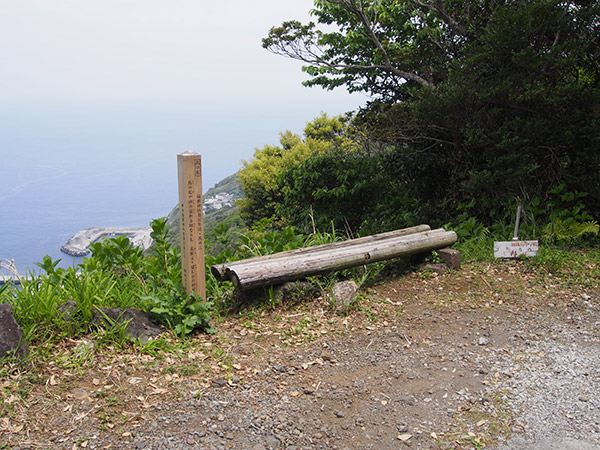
{"type": "Point", "coordinates": [63, 169]}
{"type": "Point", "coordinates": [58, 178]}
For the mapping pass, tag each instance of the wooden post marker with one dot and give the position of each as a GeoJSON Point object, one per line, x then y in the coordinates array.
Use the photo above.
{"type": "Point", "coordinates": [191, 217]}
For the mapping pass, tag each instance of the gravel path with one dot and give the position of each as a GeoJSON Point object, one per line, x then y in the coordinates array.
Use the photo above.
{"type": "Point", "coordinates": [556, 386]}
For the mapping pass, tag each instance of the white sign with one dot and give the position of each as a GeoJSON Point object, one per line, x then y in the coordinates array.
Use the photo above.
{"type": "Point", "coordinates": [514, 249]}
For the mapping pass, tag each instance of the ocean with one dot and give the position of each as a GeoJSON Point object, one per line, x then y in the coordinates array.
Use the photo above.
{"type": "Point", "coordinates": [66, 168]}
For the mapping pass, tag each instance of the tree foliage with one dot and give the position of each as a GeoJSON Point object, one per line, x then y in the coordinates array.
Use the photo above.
{"type": "Point", "coordinates": [258, 177]}
{"type": "Point", "coordinates": [337, 187]}
{"type": "Point", "coordinates": [485, 103]}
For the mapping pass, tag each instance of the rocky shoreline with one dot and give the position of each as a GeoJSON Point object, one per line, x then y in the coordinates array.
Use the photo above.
{"type": "Point", "coordinates": [78, 244]}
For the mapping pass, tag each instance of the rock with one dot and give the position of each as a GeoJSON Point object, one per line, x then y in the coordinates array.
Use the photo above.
{"type": "Point", "coordinates": [483, 341]}
{"type": "Point", "coordinates": [80, 394]}
{"type": "Point", "coordinates": [219, 382]}
{"type": "Point", "coordinates": [67, 310]}
{"type": "Point", "coordinates": [451, 257]}
{"type": "Point", "coordinates": [272, 441]}
{"type": "Point", "coordinates": [327, 357]}
{"type": "Point", "coordinates": [11, 335]}
{"type": "Point", "coordinates": [139, 326]}
{"type": "Point", "coordinates": [408, 400]}
{"type": "Point", "coordinates": [344, 294]}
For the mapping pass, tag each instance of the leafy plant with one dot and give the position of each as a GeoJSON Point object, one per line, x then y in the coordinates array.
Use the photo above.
{"type": "Point", "coordinates": [116, 275]}
{"type": "Point", "coordinates": [258, 177]}
{"type": "Point", "coordinates": [183, 314]}
{"type": "Point", "coordinates": [569, 230]}
{"type": "Point", "coordinates": [166, 298]}
{"type": "Point", "coordinates": [567, 218]}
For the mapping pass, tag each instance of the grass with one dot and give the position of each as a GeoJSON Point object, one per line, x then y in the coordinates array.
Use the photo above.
{"type": "Point", "coordinates": [578, 267]}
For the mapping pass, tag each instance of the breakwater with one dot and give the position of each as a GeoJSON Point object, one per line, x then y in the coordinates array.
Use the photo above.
{"type": "Point", "coordinates": [14, 279]}
{"type": "Point", "coordinates": [78, 244]}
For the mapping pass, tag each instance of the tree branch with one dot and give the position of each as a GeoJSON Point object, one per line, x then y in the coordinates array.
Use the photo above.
{"type": "Point", "coordinates": [359, 12]}
{"type": "Point", "coordinates": [438, 7]}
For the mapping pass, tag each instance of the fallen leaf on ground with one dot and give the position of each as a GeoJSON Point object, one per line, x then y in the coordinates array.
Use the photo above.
{"type": "Point", "coordinates": [160, 391]}
{"type": "Point", "coordinates": [11, 399]}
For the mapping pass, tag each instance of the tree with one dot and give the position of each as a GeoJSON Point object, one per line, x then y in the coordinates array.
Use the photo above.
{"type": "Point", "coordinates": [381, 47]}
{"type": "Point", "coordinates": [486, 102]}
{"type": "Point", "coordinates": [258, 177]}
{"type": "Point", "coordinates": [336, 187]}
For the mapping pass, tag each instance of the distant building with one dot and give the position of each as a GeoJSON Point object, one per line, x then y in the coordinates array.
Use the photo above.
{"type": "Point", "coordinates": [220, 200]}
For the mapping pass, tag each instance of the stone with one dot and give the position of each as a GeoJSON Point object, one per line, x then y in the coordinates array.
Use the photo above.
{"type": "Point", "coordinates": [11, 335]}
{"type": "Point", "coordinates": [451, 257]}
{"type": "Point", "coordinates": [67, 310]}
{"type": "Point", "coordinates": [272, 441]}
{"type": "Point", "coordinates": [219, 382]}
{"type": "Point", "coordinates": [344, 294]}
{"type": "Point", "coordinates": [80, 394]}
{"type": "Point", "coordinates": [483, 341]}
{"type": "Point", "coordinates": [139, 326]}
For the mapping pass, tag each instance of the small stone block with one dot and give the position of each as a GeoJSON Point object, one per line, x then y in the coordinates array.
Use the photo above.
{"type": "Point", "coordinates": [451, 257]}
{"type": "Point", "coordinates": [344, 293]}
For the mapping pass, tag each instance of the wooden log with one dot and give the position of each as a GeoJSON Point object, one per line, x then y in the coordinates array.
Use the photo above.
{"type": "Point", "coordinates": [220, 270]}
{"type": "Point", "coordinates": [294, 267]}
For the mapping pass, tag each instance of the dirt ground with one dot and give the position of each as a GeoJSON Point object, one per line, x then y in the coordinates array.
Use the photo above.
{"type": "Point", "coordinates": [492, 355]}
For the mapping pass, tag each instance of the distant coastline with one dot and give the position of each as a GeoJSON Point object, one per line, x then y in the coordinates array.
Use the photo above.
{"type": "Point", "coordinates": [78, 244]}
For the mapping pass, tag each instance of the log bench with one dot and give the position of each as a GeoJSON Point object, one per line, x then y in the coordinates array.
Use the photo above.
{"type": "Point", "coordinates": [304, 262]}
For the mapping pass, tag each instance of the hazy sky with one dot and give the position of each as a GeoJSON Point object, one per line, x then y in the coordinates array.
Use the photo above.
{"type": "Point", "coordinates": [148, 50]}
{"type": "Point", "coordinates": [154, 76]}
